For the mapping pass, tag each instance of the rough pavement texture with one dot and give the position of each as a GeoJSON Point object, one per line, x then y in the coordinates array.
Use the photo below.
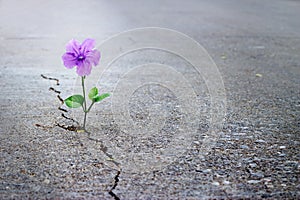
{"type": "Point", "coordinates": [256, 46]}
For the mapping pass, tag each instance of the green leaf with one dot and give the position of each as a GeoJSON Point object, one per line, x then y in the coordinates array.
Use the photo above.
{"type": "Point", "coordinates": [93, 93]}
{"type": "Point", "coordinates": [74, 101]}
{"type": "Point", "coordinates": [101, 97]}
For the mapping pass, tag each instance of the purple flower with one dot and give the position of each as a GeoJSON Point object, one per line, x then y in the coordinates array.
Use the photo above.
{"type": "Point", "coordinates": [83, 56]}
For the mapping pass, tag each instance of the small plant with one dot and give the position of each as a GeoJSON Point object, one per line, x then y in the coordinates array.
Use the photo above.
{"type": "Point", "coordinates": [83, 56]}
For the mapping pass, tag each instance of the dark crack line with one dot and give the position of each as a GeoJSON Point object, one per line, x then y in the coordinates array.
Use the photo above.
{"type": "Point", "coordinates": [115, 185]}
{"type": "Point", "coordinates": [68, 128]}
{"type": "Point", "coordinates": [50, 78]}
{"type": "Point", "coordinates": [60, 99]}
{"type": "Point", "coordinates": [103, 148]}
{"type": "Point", "coordinates": [54, 90]}
{"type": "Point", "coordinates": [65, 127]}
{"type": "Point", "coordinates": [69, 118]}
{"type": "Point", "coordinates": [62, 109]}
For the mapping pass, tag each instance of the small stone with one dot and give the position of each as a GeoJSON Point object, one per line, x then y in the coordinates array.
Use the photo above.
{"type": "Point", "coordinates": [207, 170]}
{"type": "Point", "coordinates": [216, 183]}
{"type": "Point", "coordinates": [257, 159]}
{"type": "Point", "coordinates": [244, 147]}
{"type": "Point", "coordinates": [253, 181]}
{"type": "Point", "coordinates": [46, 181]}
{"type": "Point", "coordinates": [226, 182]}
{"type": "Point", "coordinates": [271, 147]}
{"type": "Point", "coordinates": [253, 165]}
{"type": "Point", "coordinates": [239, 134]}
{"type": "Point", "coordinates": [282, 147]}
{"type": "Point", "coordinates": [260, 141]}
{"type": "Point", "coordinates": [223, 56]}
{"type": "Point", "coordinates": [281, 154]}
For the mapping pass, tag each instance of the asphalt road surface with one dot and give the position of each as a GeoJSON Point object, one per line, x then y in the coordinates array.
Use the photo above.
{"type": "Point", "coordinates": [254, 154]}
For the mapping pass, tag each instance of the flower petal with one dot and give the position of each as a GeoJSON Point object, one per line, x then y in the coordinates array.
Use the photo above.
{"type": "Point", "coordinates": [87, 45]}
{"type": "Point", "coordinates": [93, 57]}
{"type": "Point", "coordinates": [69, 60]}
{"type": "Point", "coordinates": [73, 47]}
{"type": "Point", "coordinates": [84, 68]}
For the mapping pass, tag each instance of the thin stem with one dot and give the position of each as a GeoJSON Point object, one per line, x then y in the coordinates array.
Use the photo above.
{"type": "Point", "coordinates": [90, 106]}
{"type": "Point", "coordinates": [84, 109]}
{"type": "Point", "coordinates": [84, 120]}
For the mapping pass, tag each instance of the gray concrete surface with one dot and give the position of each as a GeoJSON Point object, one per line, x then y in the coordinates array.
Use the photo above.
{"type": "Point", "coordinates": [256, 46]}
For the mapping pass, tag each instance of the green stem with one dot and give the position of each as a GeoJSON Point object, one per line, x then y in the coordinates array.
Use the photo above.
{"type": "Point", "coordinates": [84, 109]}
{"type": "Point", "coordinates": [90, 106]}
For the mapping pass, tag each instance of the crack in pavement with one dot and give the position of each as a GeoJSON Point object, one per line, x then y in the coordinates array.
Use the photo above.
{"type": "Point", "coordinates": [54, 90]}
{"type": "Point", "coordinates": [115, 185]}
{"type": "Point", "coordinates": [62, 109]}
{"type": "Point", "coordinates": [74, 128]}
{"type": "Point", "coordinates": [50, 78]}
{"type": "Point", "coordinates": [103, 148]}
{"type": "Point", "coordinates": [68, 118]}
{"type": "Point", "coordinates": [68, 128]}
{"type": "Point", "coordinates": [60, 99]}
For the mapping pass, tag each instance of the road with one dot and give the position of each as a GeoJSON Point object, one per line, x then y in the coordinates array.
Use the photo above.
{"type": "Point", "coordinates": [256, 47]}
